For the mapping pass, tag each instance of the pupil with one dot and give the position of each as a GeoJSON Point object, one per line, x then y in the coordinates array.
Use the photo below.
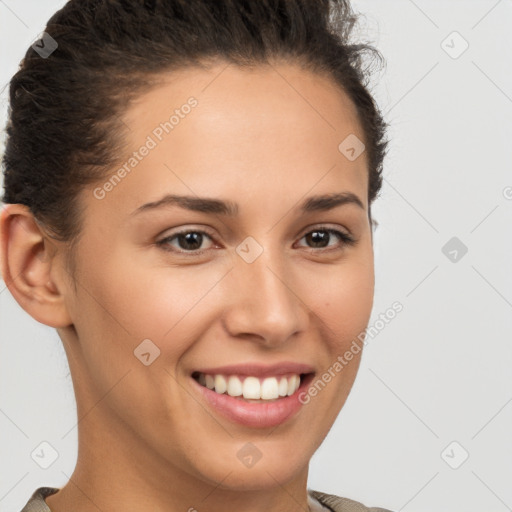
{"type": "Point", "coordinates": [319, 236]}
{"type": "Point", "coordinates": [191, 238]}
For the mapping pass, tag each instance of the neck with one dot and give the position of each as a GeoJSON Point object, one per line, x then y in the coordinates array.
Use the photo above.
{"type": "Point", "coordinates": [111, 477]}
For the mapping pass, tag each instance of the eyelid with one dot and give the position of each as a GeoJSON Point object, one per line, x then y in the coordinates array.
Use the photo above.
{"type": "Point", "coordinates": [326, 227]}
{"type": "Point", "coordinates": [193, 228]}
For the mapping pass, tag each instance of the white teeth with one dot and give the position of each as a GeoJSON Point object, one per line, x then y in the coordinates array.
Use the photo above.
{"type": "Point", "coordinates": [220, 384]}
{"type": "Point", "coordinates": [293, 384]}
{"type": "Point", "coordinates": [252, 388]}
{"type": "Point", "coordinates": [210, 381]}
{"type": "Point", "coordinates": [283, 386]}
{"type": "Point", "coordinates": [234, 386]}
{"type": "Point", "coordinates": [269, 389]}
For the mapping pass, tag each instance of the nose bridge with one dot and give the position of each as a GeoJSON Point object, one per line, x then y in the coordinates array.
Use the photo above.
{"type": "Point", "coordinates": [265, 303]}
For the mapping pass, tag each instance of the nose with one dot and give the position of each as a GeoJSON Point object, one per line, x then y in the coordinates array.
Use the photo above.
{"type": "Point", "coordinates": [265, 301]}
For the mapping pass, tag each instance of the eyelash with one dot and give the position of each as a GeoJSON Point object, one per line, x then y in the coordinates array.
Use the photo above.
{"type": "Point", "coordinates": [346, 240]}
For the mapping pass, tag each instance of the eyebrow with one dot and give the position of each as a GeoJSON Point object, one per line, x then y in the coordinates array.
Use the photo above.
{"type": "Point", "coordinates": [317, 203]}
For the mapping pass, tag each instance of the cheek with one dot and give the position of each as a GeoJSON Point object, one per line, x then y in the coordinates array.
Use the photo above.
{"type": "Point", "coordinates": [342, 300]}
{"type": "Point", "coordinates": [165, 304]}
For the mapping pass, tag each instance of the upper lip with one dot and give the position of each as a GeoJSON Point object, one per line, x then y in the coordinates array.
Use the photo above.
{"type": "Point", "coordinates": [259, 370]}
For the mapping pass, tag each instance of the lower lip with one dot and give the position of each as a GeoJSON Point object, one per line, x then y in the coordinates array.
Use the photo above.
{"type": "Point", "coordinates": [253, 414]}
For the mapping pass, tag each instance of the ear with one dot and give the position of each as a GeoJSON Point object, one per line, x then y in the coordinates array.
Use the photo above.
{"type": "Point", "coordinates": [29, 267]}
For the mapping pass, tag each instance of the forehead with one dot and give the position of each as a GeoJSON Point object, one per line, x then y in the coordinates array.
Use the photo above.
{"type": "Point", "coordinates": [262, 98]}
{"type": "Point", "coordinates": [228, 131]}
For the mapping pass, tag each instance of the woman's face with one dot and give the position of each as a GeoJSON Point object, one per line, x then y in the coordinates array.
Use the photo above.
{"type": "Point", "coordinates": [260, 284]}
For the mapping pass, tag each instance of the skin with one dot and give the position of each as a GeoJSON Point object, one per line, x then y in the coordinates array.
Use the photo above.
{"type": "Point", "coordinates": [266, 138]}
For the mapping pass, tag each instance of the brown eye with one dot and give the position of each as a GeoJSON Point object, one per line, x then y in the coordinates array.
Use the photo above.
{"type": "Point", "coordinates": [319, 238]}
{"type": "Point", "coordinates": [189, 241]}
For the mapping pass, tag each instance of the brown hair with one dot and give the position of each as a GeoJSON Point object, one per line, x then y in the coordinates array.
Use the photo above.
{"type": "Point", "coordinates": [64, 130]}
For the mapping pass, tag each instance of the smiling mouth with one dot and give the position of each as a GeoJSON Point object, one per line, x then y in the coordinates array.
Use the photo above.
{"type": "Point", "coordinates": [251, 388]}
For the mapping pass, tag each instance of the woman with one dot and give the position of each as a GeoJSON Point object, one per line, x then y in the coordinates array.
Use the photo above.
{"type": "Point", "coordinates": [188, 189]}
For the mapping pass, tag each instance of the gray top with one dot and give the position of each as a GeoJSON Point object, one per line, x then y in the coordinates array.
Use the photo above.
{"type": "Point", "coordinates": [330, 502]}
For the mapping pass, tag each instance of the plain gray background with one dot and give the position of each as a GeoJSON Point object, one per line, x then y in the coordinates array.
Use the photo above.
{"type": "Point", "coordinates": [435, 384]}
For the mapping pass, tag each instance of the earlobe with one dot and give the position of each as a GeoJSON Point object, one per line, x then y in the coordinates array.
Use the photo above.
{"type": "Point", "coordinates": [29, 268]}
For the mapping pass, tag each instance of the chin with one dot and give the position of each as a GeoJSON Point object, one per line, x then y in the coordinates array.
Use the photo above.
{"type": "Point", "coordinates": [265, 473]}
